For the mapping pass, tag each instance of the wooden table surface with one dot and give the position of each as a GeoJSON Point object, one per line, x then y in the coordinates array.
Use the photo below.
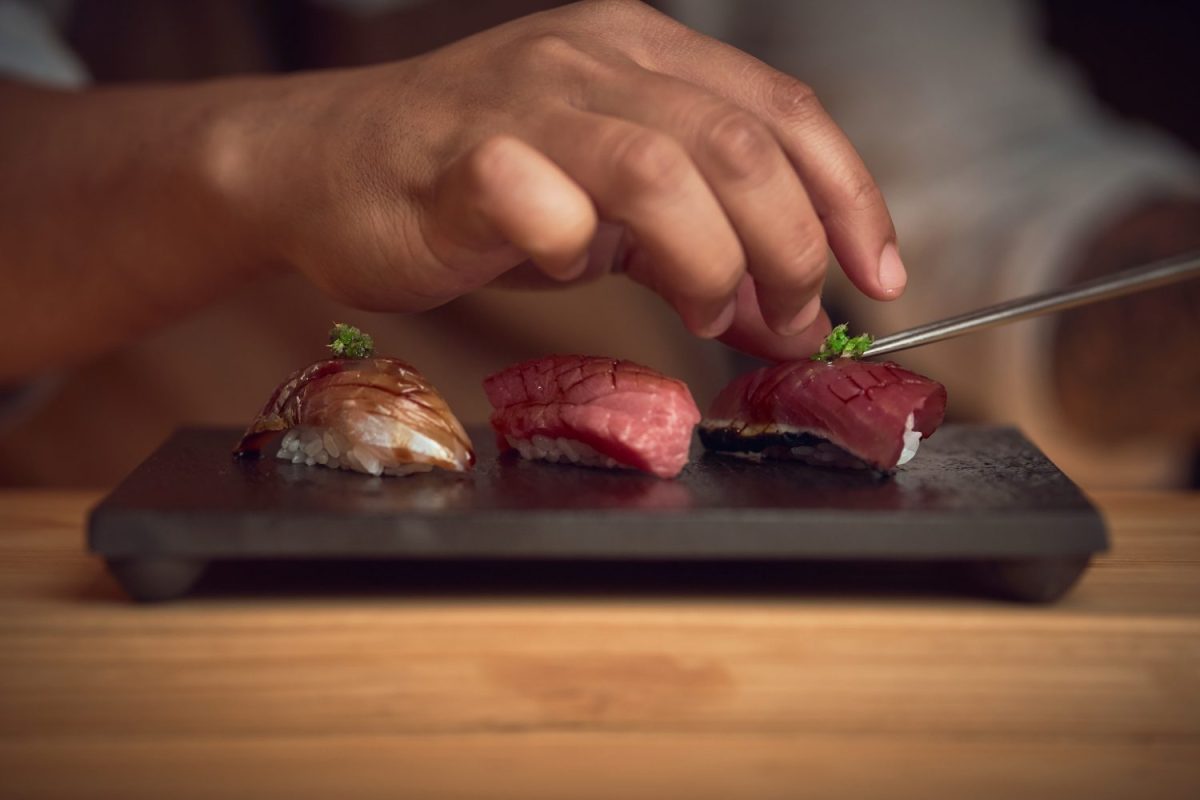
{"type": "Point", "coordinates": [637, 694]}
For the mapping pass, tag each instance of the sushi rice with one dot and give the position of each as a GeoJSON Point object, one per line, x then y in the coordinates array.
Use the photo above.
{"type": "Point", "coordinates": [912, 441]}
{"type": "Point", "coordinates": [310, 445]}
{"type": "Point", "coordinates": [544, 448]}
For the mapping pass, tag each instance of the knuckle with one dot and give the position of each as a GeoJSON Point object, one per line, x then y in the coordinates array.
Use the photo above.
{"type": "Point", "coordinates": [644, 31]}
{"type": "Point", "coordinates": [563, 59]}
{"type": "Point", "coordinates": [617, 8]}
{"type": "Point", "coordinates": [566, 230]}
{"type": "Point", "coordinates": [741, 145]}
{"type": "Point", "coordinates": [549, 48]}
{"type": "Point", "coordinates": [799, 263]}
{"type": "Point", "coordinates": [864, 193]}
{"type": "Point", "coordinates": [492, 160]}
{"type": "Point", "coordinates": [551, 53]}
{"type": "Point", "coordinates": [650, 161]}
{"type": "Point", "coordinates": [808, 257]}
{"type": "Point", "coordinates": [716, 281]}
{"type": "Point", "coordinates": [791, 99]}
{"type": "Point", "coordinates": [722, 283]}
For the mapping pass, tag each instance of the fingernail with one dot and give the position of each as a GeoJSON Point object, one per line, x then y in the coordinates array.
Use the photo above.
{"type": "Point", "coordinates": [807, 316]}
{"type": "Point", "coordinates": [721, 322]}
{"type": "Point", "coordinates": [577, 268]}
{"type": "Point", "coordinates": [892, 275]}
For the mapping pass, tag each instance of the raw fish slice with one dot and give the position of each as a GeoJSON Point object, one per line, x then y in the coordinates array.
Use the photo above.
{"type": "Point", "coordinates": [374, 415]}
{"type": "Point", "coordinates": [844, 412]}
{"type": "Point", "coordinates": [593, 411]}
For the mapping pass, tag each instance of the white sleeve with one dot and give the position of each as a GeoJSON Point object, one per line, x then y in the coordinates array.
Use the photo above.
{"type": "Point", "coordinates": [996, 165]}
{"type": "Point", "coordinates": [31, 48]}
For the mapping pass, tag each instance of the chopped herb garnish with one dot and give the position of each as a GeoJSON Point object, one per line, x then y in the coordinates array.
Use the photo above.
{"type": "Point", "coordinates": [838, 345]}
{"type": "Point", "coordinates": [347, 341]}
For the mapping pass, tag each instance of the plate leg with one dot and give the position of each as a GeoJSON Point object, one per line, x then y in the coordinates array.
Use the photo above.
{"type": "Point", "coordinates": [1031, 580]}
{"type": "Point", "coordinates": [152, 579]}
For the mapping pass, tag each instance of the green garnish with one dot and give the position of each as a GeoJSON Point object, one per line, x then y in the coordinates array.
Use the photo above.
{"type": "Point", "coordinates": [347, 341]}
{"type": "Point", "coordinates": [838, 345]}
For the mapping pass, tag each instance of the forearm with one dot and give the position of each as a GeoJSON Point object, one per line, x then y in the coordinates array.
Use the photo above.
{"type": "Point", "coordinates": [114, 215]}
{"type": "Point", "coordinates": [403, 186]}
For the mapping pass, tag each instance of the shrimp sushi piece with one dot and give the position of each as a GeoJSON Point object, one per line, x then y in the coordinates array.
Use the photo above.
{"type": "Point", "coordinates": [840, 413]}
{"type": "Point", "coordinates": [593, 411]}
{"type": "Point", "coordinates": [378, 416]}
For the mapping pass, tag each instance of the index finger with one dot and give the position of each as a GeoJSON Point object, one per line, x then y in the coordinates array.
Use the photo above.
{"type": "Point", "coordinates": [846, 197]}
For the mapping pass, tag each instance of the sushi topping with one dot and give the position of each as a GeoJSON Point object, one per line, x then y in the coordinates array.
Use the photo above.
{"type": "Point", "coordinates": [347, 341]}
{"type": "Point", "coordinates": [842, 413]}
{"type": "Point", "coordinates": [839, 345]}
{"type": "Point", "coordinates": [374, 415]}
{"type": "Point", "coordinates": [593, 411]}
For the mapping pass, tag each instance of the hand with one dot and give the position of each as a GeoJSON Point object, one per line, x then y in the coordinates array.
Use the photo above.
{"type": "Point", "coordinates": [698, 170]}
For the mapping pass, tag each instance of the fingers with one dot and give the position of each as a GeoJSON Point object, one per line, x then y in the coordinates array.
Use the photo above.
{"type": "Point", "coordinates": [685, 247]}
{"type": "Point", "coordinates": [715, 163]}
{"type": "Point", "coordinates": [745, 167]}
{"type": "Point", "coordinates": [504, 200]}
{"type": "Point", "coordinates": [604, 255]}
{"type": "Point", "coordinates": [845, 196]}
{"type": "Point", "coordinates": [750, 333]}
{"type": "Point", "coordinates": [852, 208]}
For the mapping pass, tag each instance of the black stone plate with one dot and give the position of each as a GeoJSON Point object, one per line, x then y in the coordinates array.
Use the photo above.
{"type": "Point", "coordinates": [983, 496]}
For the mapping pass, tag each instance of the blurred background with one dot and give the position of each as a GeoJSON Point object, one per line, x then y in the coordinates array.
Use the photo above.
{"type": "Point", "coordinates": [1021, 146]}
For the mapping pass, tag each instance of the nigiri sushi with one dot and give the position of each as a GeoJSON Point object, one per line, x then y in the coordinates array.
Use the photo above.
{"type": "Point", "coordinates": [593, 411]}
{"type": "Point", "coordinates": [836, 411]}
{"type": "Point", "coordinates": [362, 413]}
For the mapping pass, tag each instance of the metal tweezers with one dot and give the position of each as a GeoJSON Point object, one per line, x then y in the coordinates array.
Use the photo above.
{"type": "Point", "coordinates": [1137, 279]}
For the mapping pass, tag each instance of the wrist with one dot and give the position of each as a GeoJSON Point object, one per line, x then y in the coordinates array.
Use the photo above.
{"type": "Point", "coordinates": [238, 175]}
{"type": "Point", "coordinates": [280, 159]}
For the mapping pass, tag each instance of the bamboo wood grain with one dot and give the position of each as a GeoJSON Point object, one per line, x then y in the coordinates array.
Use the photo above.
{"type": "Point", "coordinates": [387, 694]}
